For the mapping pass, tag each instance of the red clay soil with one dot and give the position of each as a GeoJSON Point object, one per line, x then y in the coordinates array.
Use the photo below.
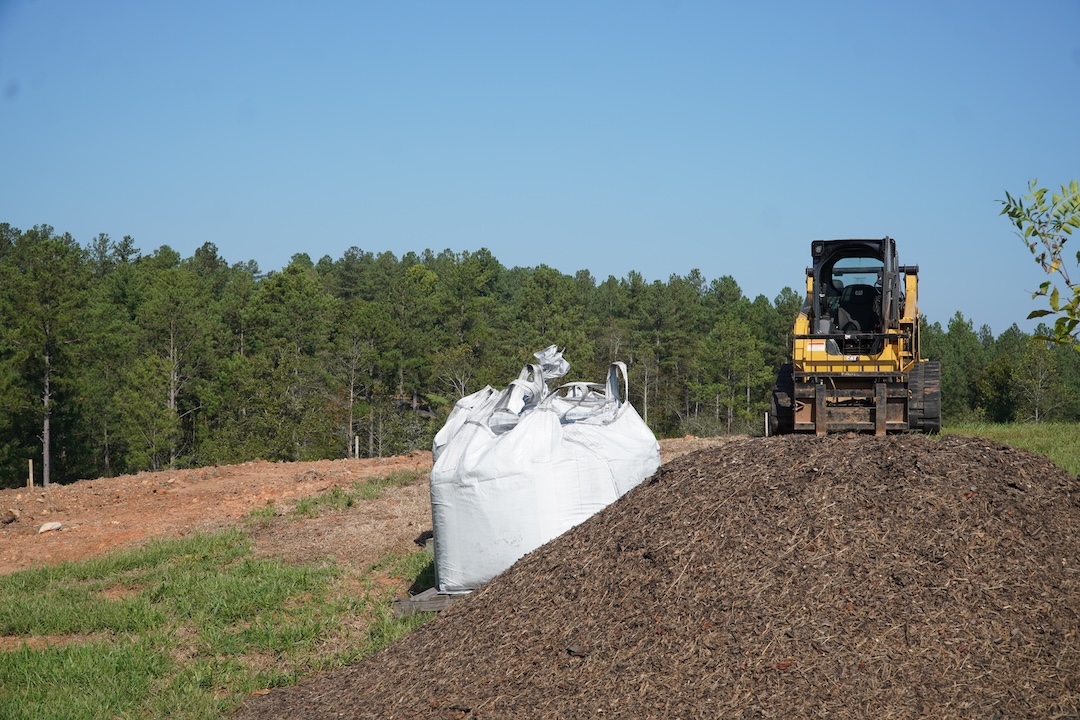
{"type": "Point", "coordinates": [113, 513]}
{"type": "Point", "coordinates": [790, 577]}
{"type": "Point", "coordinates": [100, 515]}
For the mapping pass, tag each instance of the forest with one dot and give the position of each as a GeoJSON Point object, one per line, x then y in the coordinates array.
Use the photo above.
{"type": "Point", "coordinates": [113, 361]}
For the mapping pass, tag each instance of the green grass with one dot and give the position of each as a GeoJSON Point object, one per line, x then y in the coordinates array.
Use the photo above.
{"type": "Point", "coordinates": [262, 517]}
{"type": "Point", "coordinates": [1058, 441]}
{"type": "Point", "coordinates": [187, 628]}
{"type": "Point", "coordinates": [367, 489]}
{"type": "Point", "coordinates": [99, 679]}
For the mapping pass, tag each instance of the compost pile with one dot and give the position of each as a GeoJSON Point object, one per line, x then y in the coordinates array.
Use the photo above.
{"type": "Point", "coordinates": [779, 577]}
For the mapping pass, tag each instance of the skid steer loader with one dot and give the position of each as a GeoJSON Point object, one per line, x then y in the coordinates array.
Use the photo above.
{"type": "Point", "coordinates": [855, 363]}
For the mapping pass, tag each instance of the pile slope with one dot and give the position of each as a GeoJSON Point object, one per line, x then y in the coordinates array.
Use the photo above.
{"type": "Point", "coordinates": [794, 576]}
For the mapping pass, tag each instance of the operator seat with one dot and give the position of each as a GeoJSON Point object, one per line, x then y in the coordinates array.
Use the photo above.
{"type": "Point", "coordinates": [860, 302]}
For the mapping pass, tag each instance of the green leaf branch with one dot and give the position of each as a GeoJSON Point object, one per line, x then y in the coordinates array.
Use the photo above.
{"type": "Point", "coordinates": [1045, 221]}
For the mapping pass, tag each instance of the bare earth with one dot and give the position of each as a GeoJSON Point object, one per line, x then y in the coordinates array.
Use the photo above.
{"type": "Point", "coordinates": [100, 515]}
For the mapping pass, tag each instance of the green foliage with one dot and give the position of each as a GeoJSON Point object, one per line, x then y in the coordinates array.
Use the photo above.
{"type": "Point", "coordinates": [147, 427]}
{"type": "Point", "coordinates": [160, 361]}
{"type": "Point", "coordinates": [1040, 391]}
{"type": "Point", "coordinates": [185, 361]}
{"type": "Point", "coordinates": [1045, 221]}
{"type": "Point", "coordinates": [963, 359]}
{"type": "Point", "coordinates": [734, 367]}
{"type": "Point", "coordinates": [184, 628]}
{"type": "Point", "coordinates": [1014, 377]}
{"type": "Point", "coordinates": [43, 293]}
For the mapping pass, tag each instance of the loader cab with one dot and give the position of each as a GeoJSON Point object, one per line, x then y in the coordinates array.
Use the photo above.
{"type": "Point", "coordinates": [856, 293]}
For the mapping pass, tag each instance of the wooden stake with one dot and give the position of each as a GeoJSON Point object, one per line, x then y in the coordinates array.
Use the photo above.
{"type": "Point", "coordinates": [30, 475]}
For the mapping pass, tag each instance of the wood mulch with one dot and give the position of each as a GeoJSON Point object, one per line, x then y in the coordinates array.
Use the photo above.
{"type": "Point", "coordinates": [790, 577]}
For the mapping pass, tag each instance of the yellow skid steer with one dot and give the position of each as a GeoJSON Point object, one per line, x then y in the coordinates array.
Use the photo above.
{"type": "Point", "coordinates": [855, 362]}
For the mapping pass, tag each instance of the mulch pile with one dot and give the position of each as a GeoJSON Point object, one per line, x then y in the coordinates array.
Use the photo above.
{"type": "Point", "coordinates": [785, 577]}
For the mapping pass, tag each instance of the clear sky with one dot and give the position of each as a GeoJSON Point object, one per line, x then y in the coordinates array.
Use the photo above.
{"type": "Point", "coordinates": [657, 136]}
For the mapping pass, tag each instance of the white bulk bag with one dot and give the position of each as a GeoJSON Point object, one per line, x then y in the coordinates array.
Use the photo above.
{"type": "Point", "coordinates": [502, 487]}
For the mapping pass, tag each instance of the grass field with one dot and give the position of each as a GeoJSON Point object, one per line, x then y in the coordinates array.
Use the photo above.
{"type": "Point", "coordinates": [187, 628]}
{"type": "Point", "coordinates": [1058, 441]}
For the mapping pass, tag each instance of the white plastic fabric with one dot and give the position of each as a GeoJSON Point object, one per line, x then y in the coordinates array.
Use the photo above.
{"type": "Point", "coordinates": [517, 468]}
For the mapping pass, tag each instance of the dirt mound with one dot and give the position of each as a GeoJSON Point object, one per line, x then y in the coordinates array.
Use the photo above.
{"type": "Point", "coordinates": [780, 577]}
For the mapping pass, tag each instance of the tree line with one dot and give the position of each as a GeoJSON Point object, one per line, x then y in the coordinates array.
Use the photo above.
{"type": "Point", "coordinates": [113, 361]}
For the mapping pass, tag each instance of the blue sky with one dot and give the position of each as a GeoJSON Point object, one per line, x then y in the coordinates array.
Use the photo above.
{"type": "Point", "coordinates": [656, 136]}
